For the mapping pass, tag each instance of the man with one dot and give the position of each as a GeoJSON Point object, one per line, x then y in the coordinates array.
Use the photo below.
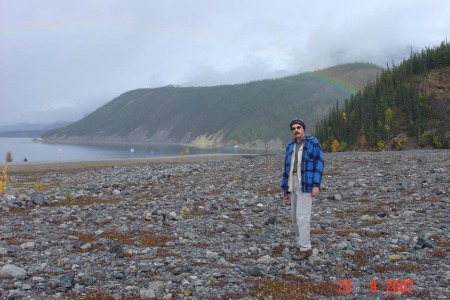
{"type": "Point", "coordinates": [303, 167]}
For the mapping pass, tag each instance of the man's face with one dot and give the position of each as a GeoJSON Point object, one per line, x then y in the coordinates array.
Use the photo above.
{"type": "Point", "coordinates": [298, 131]}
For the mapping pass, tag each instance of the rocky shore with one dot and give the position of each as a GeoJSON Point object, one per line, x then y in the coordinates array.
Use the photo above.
{"type": "Point", "coordinates": [219, 229]}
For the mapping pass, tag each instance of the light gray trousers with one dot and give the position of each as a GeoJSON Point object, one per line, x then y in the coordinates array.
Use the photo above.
{"type": "Point", "coordinates": [301, 206]}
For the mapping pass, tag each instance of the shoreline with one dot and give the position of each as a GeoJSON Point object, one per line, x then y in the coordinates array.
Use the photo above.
{"type": "Point", "coordinates": [16, 167]}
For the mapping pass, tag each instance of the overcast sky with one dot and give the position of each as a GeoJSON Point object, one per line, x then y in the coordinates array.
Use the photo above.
{"type": "Point", "coordinates": [60, 60]}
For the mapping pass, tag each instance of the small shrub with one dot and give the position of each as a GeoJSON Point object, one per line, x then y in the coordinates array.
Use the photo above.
{"type": "Point", "coordinates": [69, 197]}
{"type": "Point", "coordinates": [38, 186]}
{"type": "Point", "coordinates": [9, 157]}
{"type": "Point", "coordinates": [4, 179]}
{"type": "Point", "coordinates": [380, 146]}
{"type": "Point", "coordinates": [401, 143]}
{"type": "Point", "coordinates": [343, 146]}
{"type": "Point", "coordinates": [438, 142]}
{"type": "Point", "coordinates": [428, 138]}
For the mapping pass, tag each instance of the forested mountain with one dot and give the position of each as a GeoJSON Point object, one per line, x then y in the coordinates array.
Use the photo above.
{"type": "Point", "coordinates": [253, 113]}
{"type": "Point", "coordinates": [407, 106]}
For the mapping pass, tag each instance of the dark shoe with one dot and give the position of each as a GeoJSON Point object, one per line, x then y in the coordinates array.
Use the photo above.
{"type": "Point", "coordinates": [301, 255]}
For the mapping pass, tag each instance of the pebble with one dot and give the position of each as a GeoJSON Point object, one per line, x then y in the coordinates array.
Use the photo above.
{"type": "Point", "coordinates": [221, 230]}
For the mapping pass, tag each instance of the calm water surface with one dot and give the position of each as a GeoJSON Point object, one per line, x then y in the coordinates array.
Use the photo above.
{"type": "Point", "coordinates": [26, 148]}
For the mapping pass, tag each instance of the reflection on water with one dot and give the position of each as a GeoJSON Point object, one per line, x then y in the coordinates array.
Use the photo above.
{"type": "Point", "coordinates": [25, 149]}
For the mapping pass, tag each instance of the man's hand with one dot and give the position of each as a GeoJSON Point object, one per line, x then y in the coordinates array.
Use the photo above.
{"type": "Point", "coordinates": [315, 191]}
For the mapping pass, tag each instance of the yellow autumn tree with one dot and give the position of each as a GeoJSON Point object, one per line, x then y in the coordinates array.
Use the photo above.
{"type": "Point", "coordinates": [388, 119]}
{"type": "Point", "coordinates": [3, 179]}
{"type": "Point", "coordinates": [335, 146]}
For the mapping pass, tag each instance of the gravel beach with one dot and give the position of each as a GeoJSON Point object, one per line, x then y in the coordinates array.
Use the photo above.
{"type": "Point", "coordinates": [217, 227]}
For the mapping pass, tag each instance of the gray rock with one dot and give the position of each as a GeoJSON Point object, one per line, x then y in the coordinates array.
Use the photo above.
{"type": "Point", "coordinates": [11, 271]}
{"type": "Point", "coordinates": [38, 198]}
{"type": "Point", "coordinates": [255, 271]}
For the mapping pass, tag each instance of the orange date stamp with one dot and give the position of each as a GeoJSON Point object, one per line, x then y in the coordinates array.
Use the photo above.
{"type": "Point", "coordinates": [404, 286]}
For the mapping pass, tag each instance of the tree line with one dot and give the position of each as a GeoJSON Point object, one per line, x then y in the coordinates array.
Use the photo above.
{"type": "Point", "coordinates": [391, 110]}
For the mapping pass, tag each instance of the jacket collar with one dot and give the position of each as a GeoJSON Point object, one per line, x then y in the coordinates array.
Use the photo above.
{"type": "Point", "coordinates": [305, 137]}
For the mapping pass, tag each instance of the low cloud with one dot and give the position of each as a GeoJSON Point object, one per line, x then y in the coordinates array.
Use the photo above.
{"type": "Point", "coordinates": [60, 60]}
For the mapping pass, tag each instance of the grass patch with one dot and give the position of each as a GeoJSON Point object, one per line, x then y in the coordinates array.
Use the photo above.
{"type": "Point", "coordinates": [291, 288]}
{"type": "Point", "coordinates": [356, 212]}
{"type": "Point", "coordinates": [435, 237]}
{"type": "Point", "coordinates": [233, 295]}
{"type": "Point", "coordinates": [439, 253]}
{"type": "Point", "coordinates": [346, 213]}
{"type": "Point", "coordinates": [343, 233]}
{"type": "Point", "coordinates": [373, 235]}
{"type": "Point", "coordinates": [17, 240]}
{"type": "Point", "coordinates": [371, 222]}
{"type": "Point", "coordinates": [81, 200]}
{"type": "Point", "coordinates": [318, 231]}
{"type": "Point", "coordinates": [233, 259]}
{"type": "Point", "coordinates": [194, 213]}
{"type": "Point", "coordinates": [87, 237]}
{"type": "Point", "coordinates": [13, 211]}
{"type": "Point", "coordinates": [269, 190]}
{"type": "Point", "coordinates": [101, 295]}
{"type": "Point", "coordinates": [145, 238]}
{"type": "Point", "coordinates": [432, 199]}
{"type": "Point", "coordinates": [359, 258]}
{"type": "Point", "coordinates": [445, 245]}
{"type": "Point", "coordinates": [405, 267]}
{"type": "Point", "coordinates": [203, 245]}
{"type": "Point", "coordinates": [164, 252]}
{"type": "Point", "coordinates": [277, 251]}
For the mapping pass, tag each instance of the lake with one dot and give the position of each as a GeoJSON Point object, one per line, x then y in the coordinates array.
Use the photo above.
{"type": "Point", "coordinates": [26, 148]}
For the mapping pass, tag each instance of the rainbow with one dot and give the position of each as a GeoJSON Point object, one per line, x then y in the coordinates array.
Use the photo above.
{"type": "Point", "coordinates": [340, 86]}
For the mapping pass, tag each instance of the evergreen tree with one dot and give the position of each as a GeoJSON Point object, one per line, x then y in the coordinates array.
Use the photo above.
{"type": "Point", "coordinates": [389, 106]}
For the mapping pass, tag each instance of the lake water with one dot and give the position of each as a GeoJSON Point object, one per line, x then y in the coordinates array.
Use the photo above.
{"type": "Point", "coordinates": [22, 148]}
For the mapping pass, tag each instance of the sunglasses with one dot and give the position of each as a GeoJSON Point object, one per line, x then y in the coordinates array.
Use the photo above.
{"type": "Point", "coordinates": [295, 128]}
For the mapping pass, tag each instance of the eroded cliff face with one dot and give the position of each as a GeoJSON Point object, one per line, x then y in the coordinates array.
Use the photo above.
{"type": "Point", "coordinates": [137, 136]}
{"type": "Point", "coordinates": [208, 141]}
{"type": "Point", "coordinates": [140, 136]}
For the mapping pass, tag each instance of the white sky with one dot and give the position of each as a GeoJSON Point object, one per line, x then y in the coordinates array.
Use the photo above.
{"type": "Point", "coordinates": [60, 60]}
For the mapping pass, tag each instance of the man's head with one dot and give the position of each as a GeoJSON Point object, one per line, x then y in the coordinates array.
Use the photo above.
{"type": "Point", "coordinates": [297, 121]}
{"type": "Point", "coordinates": [298, 129]}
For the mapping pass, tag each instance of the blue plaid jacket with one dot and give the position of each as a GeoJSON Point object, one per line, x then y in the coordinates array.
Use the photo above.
{"type": "Point", "coordinates": [311, 167]}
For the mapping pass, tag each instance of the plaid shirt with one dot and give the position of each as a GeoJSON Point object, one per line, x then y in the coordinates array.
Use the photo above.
{"type": "Point", "coordinates": [311, 166]}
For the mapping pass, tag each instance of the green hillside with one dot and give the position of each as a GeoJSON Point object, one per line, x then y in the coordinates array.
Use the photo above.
{"type": "Point", "coordinates": [222, 115]}
{"type": "Point", "coordinates": [408, 106]}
